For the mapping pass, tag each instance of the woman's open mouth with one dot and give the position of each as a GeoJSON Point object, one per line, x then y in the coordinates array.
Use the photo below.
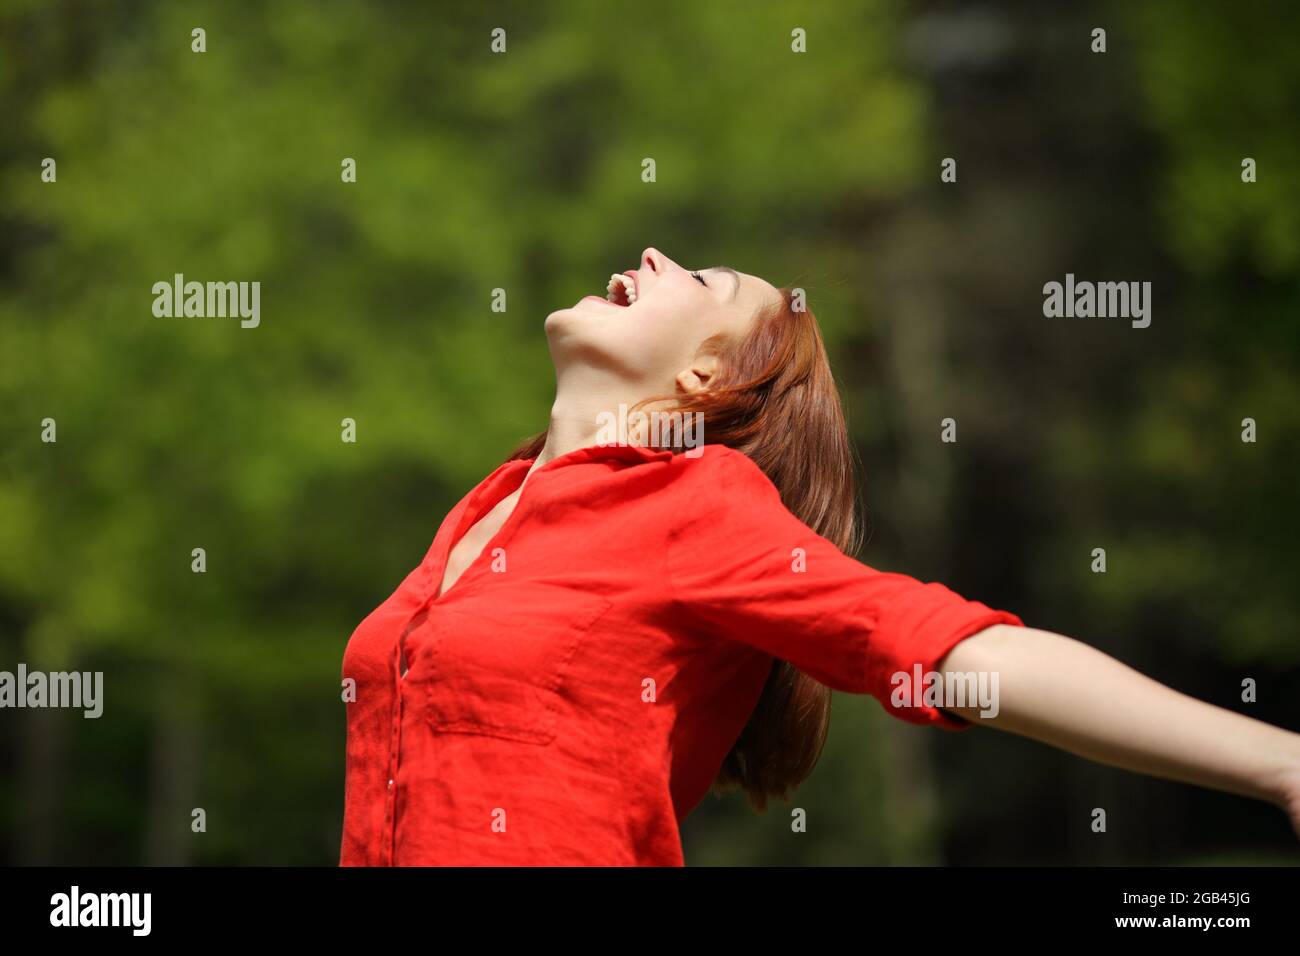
{"type": "Point", "coordinates": [621, 289]}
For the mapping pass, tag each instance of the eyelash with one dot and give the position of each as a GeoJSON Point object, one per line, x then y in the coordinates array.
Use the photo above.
{"type": "Point", "coordinates": [699, 278]}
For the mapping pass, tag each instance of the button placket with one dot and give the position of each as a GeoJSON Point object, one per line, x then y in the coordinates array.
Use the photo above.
{"type": "Point", "coordinates": [432, 597]}
{"type": "Point", "coordinates": [394, 752]}
{"type": "Point", "coordinates": [395, 738]}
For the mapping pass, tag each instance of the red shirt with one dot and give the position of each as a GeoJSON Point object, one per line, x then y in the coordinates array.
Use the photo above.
{"type": "Point", "coordinates": [572, 696]}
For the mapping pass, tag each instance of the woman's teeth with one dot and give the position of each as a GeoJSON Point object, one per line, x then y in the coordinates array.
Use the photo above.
{"type": "Point", "coordinates": [621, 290]}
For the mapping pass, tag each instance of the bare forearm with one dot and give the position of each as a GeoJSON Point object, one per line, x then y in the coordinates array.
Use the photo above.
{"type": "Point", "coordinates": [1062, 692]}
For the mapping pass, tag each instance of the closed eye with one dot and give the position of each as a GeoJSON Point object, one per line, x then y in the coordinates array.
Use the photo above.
{"type": "Point", "coordinates": [699, 278]}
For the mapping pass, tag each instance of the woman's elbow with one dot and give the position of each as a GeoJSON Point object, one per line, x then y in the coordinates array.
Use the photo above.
{"type": "Point", "coordinates": [982, 650]}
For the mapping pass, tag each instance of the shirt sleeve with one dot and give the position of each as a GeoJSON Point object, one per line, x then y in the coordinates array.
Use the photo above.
{"type": "Point", "coordinates": [742, 566]}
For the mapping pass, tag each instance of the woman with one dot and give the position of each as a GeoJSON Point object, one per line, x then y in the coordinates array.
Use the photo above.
{"type": "Point", "coordinates": [603, 630]}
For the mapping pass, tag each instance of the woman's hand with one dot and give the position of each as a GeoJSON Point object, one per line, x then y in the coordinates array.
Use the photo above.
{"type": "Point", "coordinates": [1289, 797]}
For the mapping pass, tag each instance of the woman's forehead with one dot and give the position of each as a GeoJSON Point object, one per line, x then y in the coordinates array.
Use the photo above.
{"type": "Point", "coordinates": [755, 290]}
{"type": "Point", "coordinates": [743, 282]}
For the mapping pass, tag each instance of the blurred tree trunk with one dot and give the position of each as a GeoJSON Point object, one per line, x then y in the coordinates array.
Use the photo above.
{"type": "Point", "coordinates": [910, 799]}
{"type": "Point", "coordinates": [42, 760]}
{"type": "Point", "coordinates": [912, 340]}
{"type": "Point", "coordinates": [169, 840]}
{"type": "Point", "coordinates": [41, 763]}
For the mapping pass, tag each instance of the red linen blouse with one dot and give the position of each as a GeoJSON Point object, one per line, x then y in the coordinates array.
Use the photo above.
{"type": "Point", "coordinates": [573, 694]}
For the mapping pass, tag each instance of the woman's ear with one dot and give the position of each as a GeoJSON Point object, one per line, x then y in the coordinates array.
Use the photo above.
{"type": "Point", "coordinates": [697, 377]}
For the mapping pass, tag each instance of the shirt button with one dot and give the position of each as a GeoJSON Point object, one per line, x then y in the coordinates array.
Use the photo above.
{"type": "Point", "coordinates": [390, 784]}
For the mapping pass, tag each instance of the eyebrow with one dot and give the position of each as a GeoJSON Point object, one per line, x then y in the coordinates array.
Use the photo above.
{"type": "Point", "coordinates": [735, 278]}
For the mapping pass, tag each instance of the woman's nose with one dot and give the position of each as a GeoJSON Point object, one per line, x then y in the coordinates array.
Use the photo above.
{"type": "Point", "coordinates": [654, 260]}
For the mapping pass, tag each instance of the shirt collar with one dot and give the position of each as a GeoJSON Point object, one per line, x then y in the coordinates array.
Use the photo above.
{"type": "Point", "coordinates": [630, 453]}
{"type": "Point", "coordinates": [510, 474]}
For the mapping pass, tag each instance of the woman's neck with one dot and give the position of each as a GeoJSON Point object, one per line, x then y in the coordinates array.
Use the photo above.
{"type": "Point", "coordinates": [580, 415]}
{"type": "Point", "coordinates": [575, 420]}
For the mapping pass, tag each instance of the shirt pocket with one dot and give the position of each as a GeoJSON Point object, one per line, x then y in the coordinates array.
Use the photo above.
{"type": "Point", "coordinates": [499, 665]}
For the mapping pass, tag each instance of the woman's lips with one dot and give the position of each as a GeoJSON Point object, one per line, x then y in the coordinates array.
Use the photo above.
{"type": "Point", "coordinates": [603, 301]}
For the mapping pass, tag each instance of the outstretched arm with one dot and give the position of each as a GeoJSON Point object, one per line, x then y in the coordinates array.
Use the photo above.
{"type": "Point", "coordinates": [1064, 693]}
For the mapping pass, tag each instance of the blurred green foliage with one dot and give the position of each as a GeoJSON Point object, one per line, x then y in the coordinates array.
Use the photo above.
{"type": "Point", "coordinates": [522, 171]}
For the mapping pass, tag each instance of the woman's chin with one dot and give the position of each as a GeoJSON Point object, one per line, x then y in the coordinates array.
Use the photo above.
{"type": "Point", "coordinates": [558, 320]}
{"type": "Point", "coordinates": [587, 308]}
